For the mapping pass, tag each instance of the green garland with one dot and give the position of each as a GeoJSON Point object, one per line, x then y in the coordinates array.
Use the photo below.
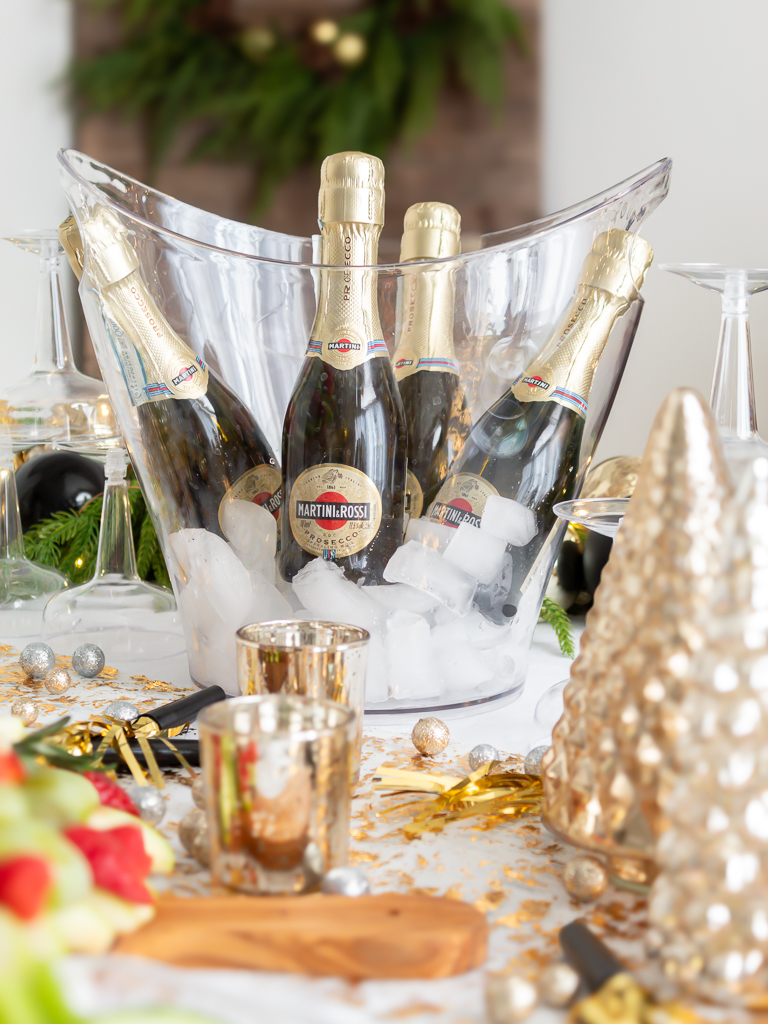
{"type": "Point", "coordinates": [68, 541]}
{"type": "Point", "coordinates": [279, 101]}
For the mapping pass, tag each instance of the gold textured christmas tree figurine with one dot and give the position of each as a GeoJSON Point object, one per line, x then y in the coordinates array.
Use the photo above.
{"type": "Point", "coordinates": [603, 773]}
{"type": "Point", "coordinates": [709, 904]}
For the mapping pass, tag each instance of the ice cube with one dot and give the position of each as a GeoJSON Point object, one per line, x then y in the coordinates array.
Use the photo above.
{"type": "Point", "coordinates": [509, 520]}
{"type": "Point", "coordinates": [400, 595]}
{"type": "Point", "coordinates": [462, 667]}
{"type": "Point", "coordinates": [477, 552]}
{"type": "Point", "coordinates": [425, 569]}
{"type": "Point", "coordinates": [376, 682]}
{"type": "Point", "coordinates": [323, 589]}
{"type": "Point", "coordinates": [484, 634]}
{"type": "Point", "coordinates": [491, 597]}
{"type": "Point", "coordinates": [434, 535]}
{"type": "Point", "coordinates": [410, 657]}
{"type": "Point", "coordinates": [252, 532]}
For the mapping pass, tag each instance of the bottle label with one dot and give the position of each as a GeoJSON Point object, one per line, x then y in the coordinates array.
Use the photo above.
{"type": "Point", "coordinates": [334, 510]}
{"type": "Point", "coordinates": [347, 350]}
{"type": "Point", "coordinates": [406, 363]}
{"type": "Point", "coordinates": [536, 388]}
{"type": "Point", "coordinates": [262, 485]}
{"type": "Point", "coordinates": [461, 499]}
{"type": "Point", "coordinates": [414, 496]}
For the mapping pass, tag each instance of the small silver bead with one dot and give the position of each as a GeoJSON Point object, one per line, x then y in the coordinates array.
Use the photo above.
{"type": "Point", "coordinates": [88, 660]}
{"type": "Point", "coordinates": [346, 882]}
{"type": "Point", "coordinates": [122, 710]}
{"type": "Point", "coordinates": [585, 878]}
{"type": "Point", "coordinates": [558, 985]}
{"type": "Point", "coordinates": [191, 826]}
{"type": "Point", "coordinates": [57, 681]}
{"type": "Point", "coordinates": [482, 754]}
{"type": "Point", "coordinates": [25, 709]}
{"type": "Point", "coordinates": [532, 763]}
{"type": "Point", "coordinates": [508, 998]}
{"type": "Point", "coordinates": [37, 659]}
{"type": "Point", "coordinates": [198, 791]}
{"type": "Point", "coordinates": [150, 803]}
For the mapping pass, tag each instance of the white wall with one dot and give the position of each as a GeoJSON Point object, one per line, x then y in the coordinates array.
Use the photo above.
{"type": "Point", "coordinates": [34, 50]}
{"type": "Point", "coordinates": [626, 83]}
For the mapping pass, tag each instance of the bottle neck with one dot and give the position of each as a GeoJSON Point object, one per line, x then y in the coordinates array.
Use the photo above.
{"type": "Point", "coordinates": [53, 350]}
{"type": "Point", "coordinates": [564, 370]}
{"type": "Point", "coordinates": [425, 338]}
{"type": "Point", "coordinates": [733, 390]}
{"type": "Point", "coordinates": [11, 537]}
{"type": "Point", "coordinates": [116, 555]}
{"type": "Point", "coordinates": [347, 329]}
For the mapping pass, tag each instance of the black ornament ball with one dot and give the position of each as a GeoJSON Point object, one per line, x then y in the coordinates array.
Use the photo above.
{"type": "Point", "coordinates": [597, 550]}
{"type": "Point", "coordinates": [570, 572]}
{"type": "Point", "coordinates": [56, 482]}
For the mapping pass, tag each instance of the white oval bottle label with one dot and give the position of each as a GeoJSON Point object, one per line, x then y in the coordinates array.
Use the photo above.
{"type": "Point", "coordinates": [334, 510]}
{"type": "Point", "coordinates": [461, 499]}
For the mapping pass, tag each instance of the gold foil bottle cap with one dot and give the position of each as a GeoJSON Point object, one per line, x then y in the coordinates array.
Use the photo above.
{"type": "Point", "coordinates": [351, 189]}
{"type": "Point", "coordinates": [430, 231]}
{"type": "Point", "coordinates": [110, 257]}
{"type": "Point", "coordinates": [72, 243]}
{"type": "Point", "coordinates": [618, 263]}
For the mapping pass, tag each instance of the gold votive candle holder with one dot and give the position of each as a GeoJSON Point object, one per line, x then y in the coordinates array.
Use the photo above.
{"type": "Point", "coordinates": [277, 783]}
{"type": "Point", "coordinates": [323, 660]}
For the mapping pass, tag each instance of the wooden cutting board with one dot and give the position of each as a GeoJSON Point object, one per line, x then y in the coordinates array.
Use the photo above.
{"type": "Point", "coordinates": [393, 935]}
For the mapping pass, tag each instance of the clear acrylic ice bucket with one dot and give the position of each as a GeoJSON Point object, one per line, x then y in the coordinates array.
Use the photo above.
{"type": "Point", "coordinates": [244, 299]}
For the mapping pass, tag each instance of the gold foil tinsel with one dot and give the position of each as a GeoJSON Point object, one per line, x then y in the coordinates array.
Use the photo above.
{"type": "Point", "coordinates": [504, 795]}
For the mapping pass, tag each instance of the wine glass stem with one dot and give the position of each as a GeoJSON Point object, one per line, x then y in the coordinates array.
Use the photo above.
{"type": "Point", "coordinates": [11, 537]}
{"type": "Point", "coordinates": [116, 555]}
{"type": "Point", "coordinates": [733, 391]}
{"type": "Point", "coordinates": [53, 350]}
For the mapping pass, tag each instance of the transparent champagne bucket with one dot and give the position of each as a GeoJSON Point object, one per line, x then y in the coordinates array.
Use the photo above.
{"type": "Point", "coordinates": [244, 300]}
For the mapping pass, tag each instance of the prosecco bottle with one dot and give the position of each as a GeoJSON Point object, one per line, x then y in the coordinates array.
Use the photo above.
{"type": "Point", "coordinates": [200, 440]}
{"type": "Point", "coordinates": [426, 368]}
{"type": "Point", "coordinates": [527, 446]}
{"type": "Point", "coordinates": [344, 440]}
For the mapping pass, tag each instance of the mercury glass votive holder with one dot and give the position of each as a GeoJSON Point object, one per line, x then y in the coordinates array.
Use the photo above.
{"type": "Point", "coordinates": [277, 783]}
{"type": "Point", "coordinates": [323, 660]}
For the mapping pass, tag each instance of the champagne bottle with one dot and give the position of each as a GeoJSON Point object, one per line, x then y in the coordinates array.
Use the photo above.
{"type": "Point", "coordinates": [426, 368]}
{"type": "Point", "coordinates": [344, 441]}
{"type": "Point", "coordinates": [200, 440]}
{"type": "Point", "coordinates": [527, 446]}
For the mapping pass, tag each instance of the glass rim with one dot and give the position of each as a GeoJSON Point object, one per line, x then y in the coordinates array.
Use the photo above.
{"type": "Point", "coordinates": [206, 719]}
{"type": "Point", "coordinates": [524, 233]}
{"type": "Point", "coordinates": [363, 636]}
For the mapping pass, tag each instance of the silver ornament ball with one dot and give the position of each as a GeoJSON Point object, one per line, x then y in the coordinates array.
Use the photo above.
{"type": "Point", "coordinates": [558, 985]}
{"type": "Point", "coordinates": [192, 825]}
{"type": "Point", "coordinates": [122, 710]}
{"type": "Point", "coordinates": [88, 660]}
{"type": "Point", "coordinates": [508, 998]}
{"type": "Point", "coordinates": [430, 736]}
{"type": "Point", "coordinates": [37, 659]}
{"type": "Point", "coordinates": [150, 803]}
{"type": "Point", "coordinates": [532, 762]}
{"type": "Point", "coordinates": [585, 878]}
{"type": "Point", "coordinates": [198, 792]}
{"type": "Point", "coordinates": [57, 681]}
{"type": "Point", "coordinates": [346, 882]}
{"type": "Point", "coordinates": [25, 709]}
{"type": "Point", "coordinates": [482, 754]}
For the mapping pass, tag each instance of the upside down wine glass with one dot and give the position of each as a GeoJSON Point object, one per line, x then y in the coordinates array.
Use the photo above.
{"type": "Point", "coordinates": [732, 397]}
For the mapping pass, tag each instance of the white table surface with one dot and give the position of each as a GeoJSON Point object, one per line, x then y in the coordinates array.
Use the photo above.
{"type": "Point", "coordinates": [511, 871]}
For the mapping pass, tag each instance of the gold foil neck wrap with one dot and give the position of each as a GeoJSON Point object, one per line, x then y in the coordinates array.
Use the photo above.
{"type": "Point", "coordinates": [618, 263]}
{"type": "Point", "coordinates": [351, 189]}
{"type": "Point", "coordinates": [564, 370]}
{"type": "Point", "coordinates": [430, 231]}
{"type": "Point", "coordinates": [110, 256]}
{"type": "Point", "coordinates": [72, 243]}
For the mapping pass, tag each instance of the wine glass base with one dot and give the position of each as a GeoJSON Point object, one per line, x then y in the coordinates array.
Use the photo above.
{"type": "Point", "coordinates": [25, 590]}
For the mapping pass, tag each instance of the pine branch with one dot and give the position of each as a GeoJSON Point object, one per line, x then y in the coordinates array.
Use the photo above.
{"type": "Point", "coordinates": [559, 620]}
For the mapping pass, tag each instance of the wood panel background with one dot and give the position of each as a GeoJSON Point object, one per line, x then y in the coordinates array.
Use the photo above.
{"type": "Point", "coordinates": [488, 168]}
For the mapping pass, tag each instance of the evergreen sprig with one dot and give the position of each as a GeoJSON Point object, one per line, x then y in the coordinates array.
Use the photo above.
{"type": "Point", "coordinates": [292, 105]}
{"type": "Point", "coordinates": [559, 620]}
{"type": "Point", "coordinates": [68, 541]}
